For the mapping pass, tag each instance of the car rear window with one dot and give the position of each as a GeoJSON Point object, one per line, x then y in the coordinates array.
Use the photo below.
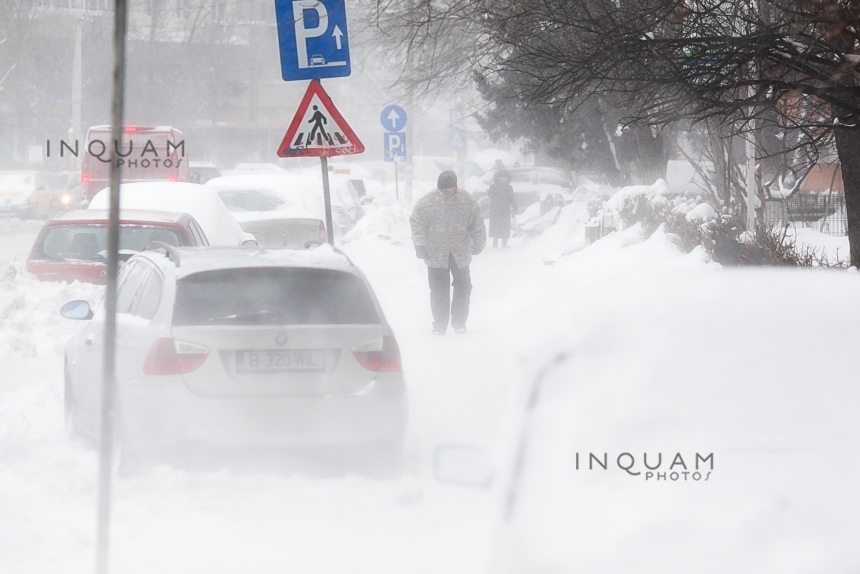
{"type": "Point", "coordinates": [89, 242]}
{"type": "Point", "coordinates": [273, 296]}
{"type": "Point", "coordinates": [251, 200]}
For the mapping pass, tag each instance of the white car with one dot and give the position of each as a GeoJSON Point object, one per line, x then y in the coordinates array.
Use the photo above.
{"type": "Point", "coordinates": [666, 439]}
{"type": "Point", "coordinates": [200, 202]}
{"type": "Point", "coordinates": [261, 206]}
{"type": "Point", "coordinates": [237, 347]}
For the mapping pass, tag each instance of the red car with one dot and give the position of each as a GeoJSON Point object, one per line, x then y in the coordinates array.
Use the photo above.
{"type": "Point", "coordinates": [73, 245]}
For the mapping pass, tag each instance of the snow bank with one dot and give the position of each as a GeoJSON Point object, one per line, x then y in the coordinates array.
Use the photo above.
{"type": "Point", "coordinates": [13, 224]}
{"type": "Point", "coordinates": [628, 198]}
{"type": "Point", "coordinates": [385, 221]}
{"type": "Point", "coordinates": [30, 322]}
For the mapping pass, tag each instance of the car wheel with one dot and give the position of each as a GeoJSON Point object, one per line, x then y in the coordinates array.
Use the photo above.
{"type": "Point", "coordinates": [126, 459]}
{"type": "Point", "coordinates": [70, 411]}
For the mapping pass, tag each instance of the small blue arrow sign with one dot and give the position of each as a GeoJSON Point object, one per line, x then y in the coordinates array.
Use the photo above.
{"type": "Point", "coordinates": [313, 39]}
{"type": "Point", "coordinates": [394, 146]}
{"type": "Point", "coordinates": [457, 136]}
{"type": "Point", "coordinates": [393, 118]}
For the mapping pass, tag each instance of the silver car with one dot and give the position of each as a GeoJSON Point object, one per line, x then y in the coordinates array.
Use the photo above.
{"type": "Point", "coordinates": [239, 347]}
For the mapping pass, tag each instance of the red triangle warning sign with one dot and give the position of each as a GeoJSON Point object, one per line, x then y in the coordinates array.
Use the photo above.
{"type": "Point", "coordinates": [318, 129]}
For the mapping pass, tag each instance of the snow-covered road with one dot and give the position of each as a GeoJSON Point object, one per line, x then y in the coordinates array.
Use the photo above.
{"type": "Point", "coordinates": [228, 520]}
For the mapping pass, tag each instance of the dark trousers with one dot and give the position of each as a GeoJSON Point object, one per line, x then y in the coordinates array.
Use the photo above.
{"type": "Point", "coordinates": [440, 294]}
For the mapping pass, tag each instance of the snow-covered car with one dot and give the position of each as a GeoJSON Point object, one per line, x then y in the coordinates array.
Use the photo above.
{"type": "Point", "coordinates": [238, 347]}
{"type": "Point", "coordinates": [203, 171]}
{"type": "Point", "coordinates": [635, 442]}
{"type": "Point", "coordinates": [531, 184]}
{"type": "Point", "coordinates": [274, 220]}
{"type": "Point", "coordinates": [201, 202]}
{"type": "Point", "coordinates": [72, 246]}
{"type": "Point", "coordinates": [24, 194]}
{"type": "Point", "coordinates": [254, 168]}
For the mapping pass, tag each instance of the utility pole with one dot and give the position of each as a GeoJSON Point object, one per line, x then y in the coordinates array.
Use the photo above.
{"type": "Point", "coordinates": [751, 195]}
{"type": "Point", "coordinates": [108, 407]}
{"type": "Point", "coordinates": [410, 111]}
{"type": "Point", "coordinates": [751, 191]}
{"type": "Point", "coordinates": [76, 85]}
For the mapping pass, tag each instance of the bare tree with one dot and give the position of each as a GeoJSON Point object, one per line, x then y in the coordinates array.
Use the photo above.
{"type": "Point", "coordinates": [787, 65]}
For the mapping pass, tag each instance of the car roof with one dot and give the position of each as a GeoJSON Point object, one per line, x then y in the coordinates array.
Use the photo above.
{"type": "Point", "coordinates": [197, 259]}
{"type": "Point", "coordinates": [126, 215]}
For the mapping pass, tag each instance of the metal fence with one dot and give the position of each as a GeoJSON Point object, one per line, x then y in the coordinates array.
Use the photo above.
{"type": "Point", "coordinates": [822, 211]}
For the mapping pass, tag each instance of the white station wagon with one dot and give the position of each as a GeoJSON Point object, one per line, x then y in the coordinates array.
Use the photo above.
{"type": "Point", "coordinates": [241, 347]}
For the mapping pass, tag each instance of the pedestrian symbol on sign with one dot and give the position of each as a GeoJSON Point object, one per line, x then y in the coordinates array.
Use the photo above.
{"type": "Point", "coordinates": [318, 129]}
{"type": "Point", "coordinates": [318, 119]}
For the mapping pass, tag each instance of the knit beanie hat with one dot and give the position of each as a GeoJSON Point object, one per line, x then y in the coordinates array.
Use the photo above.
{"type": "Point", "coordinates": [447, 180]}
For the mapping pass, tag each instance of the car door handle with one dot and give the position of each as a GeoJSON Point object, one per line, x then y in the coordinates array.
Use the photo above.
{"type": "Point", "coordinates": [88, 340]}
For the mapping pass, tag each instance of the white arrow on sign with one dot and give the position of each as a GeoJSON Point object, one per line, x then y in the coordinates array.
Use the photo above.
{"type": "Point", "coordinates": [393, 117]}
{"type": "Point", "coordinates": [337, 34]}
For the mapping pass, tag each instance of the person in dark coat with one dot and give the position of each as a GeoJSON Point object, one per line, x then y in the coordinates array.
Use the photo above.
{"type": "Point", "coordinates": [503, 205]}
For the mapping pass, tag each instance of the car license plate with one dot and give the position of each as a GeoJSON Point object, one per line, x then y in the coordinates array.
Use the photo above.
{"type": "Point", "coordinates": [292, 361]}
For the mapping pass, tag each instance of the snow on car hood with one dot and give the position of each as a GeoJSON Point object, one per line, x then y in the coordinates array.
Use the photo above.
{"type": "Point", "coordinates": [202, 203]}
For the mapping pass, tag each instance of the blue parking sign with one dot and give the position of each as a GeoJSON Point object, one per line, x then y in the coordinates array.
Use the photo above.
{"type": "Point", "coordinates": [313, 39]}
{"type": "Point", "coordinates": [394, 146]}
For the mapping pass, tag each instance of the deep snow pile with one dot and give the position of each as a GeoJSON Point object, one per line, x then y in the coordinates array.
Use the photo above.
{"type": "Point", "coordinates": [30, 322]}
{"type": "Point", "coordinates": [384, 219]}
{"type": "Point", "coordinates": [630, 291]}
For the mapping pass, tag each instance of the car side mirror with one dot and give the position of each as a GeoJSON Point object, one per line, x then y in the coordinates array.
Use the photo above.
{"type": "Point", "coordinates": [77, 310]}
{"type": "Point", "coordinates": [464, 465]}
{"type": "Point", "coordinates": [366, 200]}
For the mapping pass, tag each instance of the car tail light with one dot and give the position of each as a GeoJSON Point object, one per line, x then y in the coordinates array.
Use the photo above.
{"type": "Point", "coordinates": [382, 355]}
{"type": "Point", "coordinates": [174, 177]}
{"type": "Point", "coordinates": [130, 129]}
{"type": "Point", "coordinates": [171, 357]}
{"type": "Point", "coordinates": [85, 178]}
{"type": "Point", "coordinates": [323, 235]}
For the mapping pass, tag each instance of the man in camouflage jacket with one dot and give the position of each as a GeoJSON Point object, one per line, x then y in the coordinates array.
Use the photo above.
{"type": "Point", "coordinates": [447, 230]}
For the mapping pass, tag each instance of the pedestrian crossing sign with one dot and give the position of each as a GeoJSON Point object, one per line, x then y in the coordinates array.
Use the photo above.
{"type": "Point", "coordinates": [318, 129]}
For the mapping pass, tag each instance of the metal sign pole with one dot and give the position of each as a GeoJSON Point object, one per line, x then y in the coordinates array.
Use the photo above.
{"type": "Point", "coordinates": [329, 230]}
{"type": "Point", "coordinates": [396, 183]}
{"type": "Point", "coordinates": [109, 363]}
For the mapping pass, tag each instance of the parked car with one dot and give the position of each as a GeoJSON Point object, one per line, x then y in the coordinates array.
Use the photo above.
{"type": "Point", "coordinates": [348, 195]}
{"type": "Point", "coordinates": [273, 220]}
{"type": "Point", "coordinates": [238, 347]}
{"type": "Point", "coordinates": [201, 202]}
{"type": "Point", "coordinates": [203, 171]}
{"type": "Point", "coordinates": [25, 194]}
{"type": "Point", "coordinates": [72, 246]}
{"type": "Point", "coordinates": [149, 153]}
{"type": "Point", "coordinates": [426, 170]}
{"type": "Point", "coordinates": [255, 168]}
{"type": "Point", "coordinates": [632, 443]}
{"type": "Point", "coordinates": [530, 185]}
{"type": "Point", "coordinates": [61, 192]}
